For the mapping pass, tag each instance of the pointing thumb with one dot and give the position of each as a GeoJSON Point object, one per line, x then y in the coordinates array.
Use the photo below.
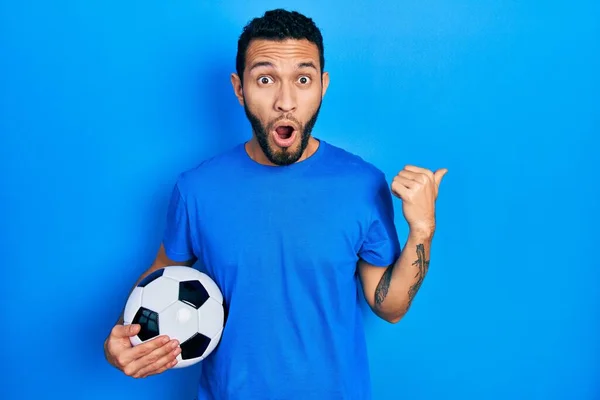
{"type": "Point", "coordinates": [439, 174]}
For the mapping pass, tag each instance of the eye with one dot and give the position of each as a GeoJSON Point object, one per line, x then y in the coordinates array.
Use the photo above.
{"type": "Point", "coordinates": [304, 80]}
{"type": "Point", "coordinates": [264, 80]}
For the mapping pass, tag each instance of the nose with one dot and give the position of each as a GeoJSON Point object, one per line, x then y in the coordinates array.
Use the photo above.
{"type": "Point", "coordinates": [286, 99]}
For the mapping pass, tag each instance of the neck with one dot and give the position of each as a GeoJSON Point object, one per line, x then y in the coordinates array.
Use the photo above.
{"type": "Point", "coordinates": [256, 153]}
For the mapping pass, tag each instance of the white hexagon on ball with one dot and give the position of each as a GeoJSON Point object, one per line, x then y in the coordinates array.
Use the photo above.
{"type": "Point", "coordinates": [160, 293]}
{"type": "Point", "coordinates": [178, 321]}
{"type": "Point", "coordinates": [210, 318]}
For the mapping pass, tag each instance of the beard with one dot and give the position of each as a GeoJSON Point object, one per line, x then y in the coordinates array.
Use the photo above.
{"type": "Point", "coordinates": [285, 156]}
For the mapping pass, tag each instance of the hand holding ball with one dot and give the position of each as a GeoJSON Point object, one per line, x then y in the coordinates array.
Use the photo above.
{"type": "Point", "coordinates": [181, 303]}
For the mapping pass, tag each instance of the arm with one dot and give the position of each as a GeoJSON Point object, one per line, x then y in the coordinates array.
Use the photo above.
{"type": "Point", "coordinates": [390, 291]}
{"type": "Point", "coordinates": [149, 358]}
{"type": "Point", "coordinates": [158, 354]}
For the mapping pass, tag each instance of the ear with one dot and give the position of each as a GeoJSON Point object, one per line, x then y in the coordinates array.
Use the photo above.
{"type": "Point", "coordinates": [325, 83]}
{"type": "Point", "coordinates": [237, 88]}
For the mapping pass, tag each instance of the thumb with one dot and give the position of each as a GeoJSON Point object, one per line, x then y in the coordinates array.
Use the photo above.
{"type": "Point", "coordinates": [132, 329]}
{"type": "Point", "coordinates": [124, 331]}
{"type": "Point", "coordinates": [439, 174]}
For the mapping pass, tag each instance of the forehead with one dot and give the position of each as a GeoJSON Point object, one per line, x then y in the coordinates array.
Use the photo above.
{"type": "Point", "coordinates": [289, 51]}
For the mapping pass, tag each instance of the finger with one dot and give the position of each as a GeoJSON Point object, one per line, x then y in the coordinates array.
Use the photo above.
{"type": "Point", "coordinates": [148, 347]}
{"type": "Point", "coordinates": [135, 366]}
{"type": "Point", "coordinates": [401, 190]}
{"type": "Point", "coordinates": [406, 182]}
{"type": "Point", "coordinates": [129, 355]}
{"type": "Point", "coordinates": [163, 369]}
{"type": "Point", "coordinates": [161, 365]}
{"type": "Point", "coordinates": [415, 176]}
{"type": "Point", "coordinates": [419, 170]}
{"type": "Point", "coordinates": [122, 331]}
{"type": "Point", "coordinates": [161, 362]}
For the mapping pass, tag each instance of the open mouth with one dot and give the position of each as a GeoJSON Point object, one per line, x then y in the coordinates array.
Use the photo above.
{"type": "Point", "coordinates": [284, 135]}
{"type": "Point", "coordinates": [284, 132]}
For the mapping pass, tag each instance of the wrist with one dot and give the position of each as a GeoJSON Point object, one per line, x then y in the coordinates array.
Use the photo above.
{"type": "Point", "coordinates": [421, 232]}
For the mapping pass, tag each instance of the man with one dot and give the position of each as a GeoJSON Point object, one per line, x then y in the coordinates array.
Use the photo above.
{"type": "Point", "coordinates": [292, 229]}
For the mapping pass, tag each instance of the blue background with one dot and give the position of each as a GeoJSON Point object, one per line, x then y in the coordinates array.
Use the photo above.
{"type": "Point", "coordinates": [102, 104]}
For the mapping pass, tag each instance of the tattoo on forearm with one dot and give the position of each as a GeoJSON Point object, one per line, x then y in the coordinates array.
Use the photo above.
{"type": "Point", "coordinates": [384, 284]}
{"type": "Point", "coordinates": [422, 265]}
{"type": "Point", "coordinates": [383, 287]}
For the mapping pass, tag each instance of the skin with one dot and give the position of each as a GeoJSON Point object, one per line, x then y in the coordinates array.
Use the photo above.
{"type": "Point", "coordinates": [390, 291]}
{"type": "Point", "coordinates": [283, 79]}
{"type": "Point", "coordinates": [152, 357]}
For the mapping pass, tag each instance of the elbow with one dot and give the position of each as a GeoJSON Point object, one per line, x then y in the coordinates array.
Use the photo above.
{"type": "Point", "coordinates": [391, 317]}
{"type": "Point", "coordinates": [394, 319]}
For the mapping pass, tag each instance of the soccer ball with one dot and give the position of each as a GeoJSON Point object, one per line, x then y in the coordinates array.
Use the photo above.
{"type": "Point", "coordinates": [182, 303]}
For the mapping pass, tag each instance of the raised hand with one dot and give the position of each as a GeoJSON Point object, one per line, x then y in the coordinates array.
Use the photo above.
{"type": "Point", "coordinates": [418, 189]}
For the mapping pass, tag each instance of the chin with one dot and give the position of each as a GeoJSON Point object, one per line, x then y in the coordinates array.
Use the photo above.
{"type": "Point", "coordinates": [285, 150]}
{"type": "Point", "coordinates": [285, 155]}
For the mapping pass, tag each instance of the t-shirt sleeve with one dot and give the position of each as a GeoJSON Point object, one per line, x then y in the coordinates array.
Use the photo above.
{"type": "Point", "coordinates": [381, 246]}
{"type": "Point", "coordinates": [177, 238]}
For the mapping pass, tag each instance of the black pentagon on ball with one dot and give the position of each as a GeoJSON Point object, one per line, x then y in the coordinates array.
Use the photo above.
{"type": "Point", "coordinates": [194, 347]}
{"type": "Point", "coordinates": [193, 293]}
{"type": "Point", "coordinates": [151, 277]}
{"type": "Point", "coordinates": [148, 321]}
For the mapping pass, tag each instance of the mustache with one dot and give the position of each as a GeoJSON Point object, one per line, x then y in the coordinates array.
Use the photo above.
{"type": "Point", "coordinates": [287, 117]}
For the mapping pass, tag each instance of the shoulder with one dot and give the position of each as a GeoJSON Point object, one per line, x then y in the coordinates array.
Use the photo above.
{"type": "Point", "coordinates": [213, 169]}
{"type": "Point", "coordinates": [354, 166]}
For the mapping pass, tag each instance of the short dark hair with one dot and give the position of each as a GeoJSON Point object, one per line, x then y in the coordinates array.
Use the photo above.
{"type": "Point", "coordinates": [278, 24]}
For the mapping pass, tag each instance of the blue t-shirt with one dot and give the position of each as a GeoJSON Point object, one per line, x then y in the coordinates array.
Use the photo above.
{"type": "Point", "coordinates": [282, 244]}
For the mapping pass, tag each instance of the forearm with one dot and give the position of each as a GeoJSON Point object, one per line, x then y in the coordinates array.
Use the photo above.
{"type": "Point", "coordinates": [401, 281]}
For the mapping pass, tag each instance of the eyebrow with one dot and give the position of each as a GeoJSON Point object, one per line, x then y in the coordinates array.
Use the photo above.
{"type": "Point", "coordinates": [307, 64]}
{"type": "Point", "coordinates": [261, 64]}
